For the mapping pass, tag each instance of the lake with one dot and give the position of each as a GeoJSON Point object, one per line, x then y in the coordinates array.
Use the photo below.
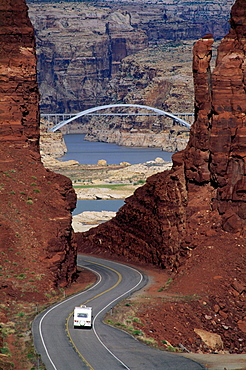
{"type": "Point", "coordinates": [89, 152]}
{"type": "Point", "coordinates": [98, 205]}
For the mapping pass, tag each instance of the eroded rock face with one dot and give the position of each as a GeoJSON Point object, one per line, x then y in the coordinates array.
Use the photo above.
{"type": "Point", "coordinates": [81, 46]}
{"type": "Point", "coordinates": [216, 149]}
{"type": "Point", "coordinates": [204, 191]}
{"type": "Point", "coordinates": [36, 204]}
{"type": "Point", "coordinates": [227, 134]}
{"type": "Point", "coordinates": [110, 52]}
{"type": "Point", "coordinates": [79, 49]}
{"type": "Point", "coordinates": [19, 91]}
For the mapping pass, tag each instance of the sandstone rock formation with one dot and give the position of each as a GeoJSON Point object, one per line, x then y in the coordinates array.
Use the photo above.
{"type": "Point", "coordinates": [36, 204]}
{"type": "Point", "coordinates": [158, 77]}
{"type": "Point", "coordinates": [212, 164]}
{"type": "Point", "coordinates": [191, 219]}
{"type": "Point", "coordinates": [52, 145]}
{"type": "Point", "coordinates": [127, 59]}
{"type": "Point", "coordinates": [80, 46]}
{"type": "Point", "coordinates": [87, 219]}
{"type": "Point", "coordinates": [79, 49]}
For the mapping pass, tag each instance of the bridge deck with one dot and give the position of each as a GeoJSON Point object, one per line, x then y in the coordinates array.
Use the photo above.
{"type": "Point", "coordinates": [91, 111]}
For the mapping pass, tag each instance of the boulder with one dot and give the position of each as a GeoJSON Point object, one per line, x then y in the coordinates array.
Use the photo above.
{"type": "Point", "coordinates": [213, 341]}
{"type": "Point", "coordinates": [102, 162]}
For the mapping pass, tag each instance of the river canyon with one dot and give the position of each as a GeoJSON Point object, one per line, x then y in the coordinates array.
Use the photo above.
{"type": "Point", "coordinates": [95, 53]}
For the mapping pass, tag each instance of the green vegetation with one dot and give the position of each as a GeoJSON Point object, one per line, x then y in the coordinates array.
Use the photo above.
{"type": "Point", "coordinates": [137, 320]}
{"type": "Point", "coordinates": [166, 286]}
{"type": "Point", "coordinates": [6, 174]}
{"type": "Point", "coordinates": [149, 341]}
{"type": "Point", "coordinates": [20, 314]}
{"type": "Point", "coordinates": [4, 350]}
{"type": "Point", "coordinates": [139, 182]}
{"type": "Point", "coordinates": [19, 323]}
{"type": "Point", "coordinates": [104, 186]}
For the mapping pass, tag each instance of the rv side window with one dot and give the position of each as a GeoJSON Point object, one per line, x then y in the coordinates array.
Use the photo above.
{"type": "Point", "coordinates": [82, 315]}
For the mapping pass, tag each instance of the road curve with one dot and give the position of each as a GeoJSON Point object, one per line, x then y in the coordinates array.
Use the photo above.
{"type": "Point", "coordinates": [103, 347]}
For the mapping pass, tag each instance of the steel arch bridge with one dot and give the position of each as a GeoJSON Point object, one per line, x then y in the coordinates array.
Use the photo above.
{"type": "Point", "coordinates": [95, 109]}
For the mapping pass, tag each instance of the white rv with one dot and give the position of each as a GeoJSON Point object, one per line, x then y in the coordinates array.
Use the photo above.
{"type": "Point", "coordinates": [82, 317]}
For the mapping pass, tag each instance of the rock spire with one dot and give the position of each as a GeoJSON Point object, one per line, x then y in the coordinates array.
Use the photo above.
{"type": "Point", "coordinates": [204, 192]}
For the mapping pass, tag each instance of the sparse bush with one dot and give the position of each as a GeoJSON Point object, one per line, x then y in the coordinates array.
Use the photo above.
{"type": "Point", "coordinates": [20, 314]}
{"type": "Point", "coordinates": [137, 332]}
{"type": "Point", "coordinates": [4, 350]}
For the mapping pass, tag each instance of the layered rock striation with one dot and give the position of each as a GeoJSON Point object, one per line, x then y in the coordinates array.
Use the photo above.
{"type": "Point", "coordinates": [160, 77]}
{"type": "Point", "coordinates": [111, 52]}
{"type": "Point", "coordinates": [19, 90]}
{"type": "Point", "coordinates": [203, 193]}
{"type": "Point", "coordinates": [79, 49]}
{"type": "Point", "coordinates": [80, 46]}
{"type": "Point", "coordinates": [36, 204]}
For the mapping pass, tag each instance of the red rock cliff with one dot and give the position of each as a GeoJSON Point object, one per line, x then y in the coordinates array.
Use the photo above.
{"type": "Point", "coordinates": [37, 245]}
{"type": "Point", "coordinates": [204, 193]}
{"type": "Point", "coordinates": [19, 92]}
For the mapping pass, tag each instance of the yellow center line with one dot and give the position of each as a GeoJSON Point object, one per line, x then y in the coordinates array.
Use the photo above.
{"type": "Point", "coordinates": [96, 296]}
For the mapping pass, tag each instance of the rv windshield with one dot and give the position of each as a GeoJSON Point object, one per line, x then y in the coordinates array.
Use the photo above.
{"type": "Point", "coordinates": [82, 315]}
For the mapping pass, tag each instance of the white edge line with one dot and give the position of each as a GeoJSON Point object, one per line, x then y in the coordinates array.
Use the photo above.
{"type": "Point", "coordinates": [141, 279]}
{"type": "Point", "coordinates": [52, 308]}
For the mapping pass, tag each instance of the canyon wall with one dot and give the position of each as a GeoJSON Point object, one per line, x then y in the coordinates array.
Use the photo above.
{"type": "Point", "coordinates": [111, 52]}
{"type": "Point", "coordinates": [79, 49]}
{"type": "Point", "coordinates": [203, 194]}
{"type": "Point", "coordinates": [80, 46]}
{"type": "Point", "coordinates": [37, 243]}
{"type": "Point", "coordinates": [158, 77]}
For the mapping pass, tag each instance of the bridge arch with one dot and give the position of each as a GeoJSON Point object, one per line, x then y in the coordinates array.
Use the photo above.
{"type": "Point", "coordinates": [91, 110]}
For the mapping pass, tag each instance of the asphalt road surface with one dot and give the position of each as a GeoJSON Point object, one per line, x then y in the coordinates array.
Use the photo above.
{"type": "Point", "coordinates": [103, 347]}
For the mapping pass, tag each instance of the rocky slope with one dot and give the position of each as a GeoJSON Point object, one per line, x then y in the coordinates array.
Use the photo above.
{"type": "Point", "coordinates": [38, 251]}
{"type": "Point", "coordinates": [194, 213]}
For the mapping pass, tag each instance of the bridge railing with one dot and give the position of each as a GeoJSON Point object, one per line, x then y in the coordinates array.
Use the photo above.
{"type": "Point", "coordinates": [89, 111]}
{"type": "Point", "coordinates": [54, 118]}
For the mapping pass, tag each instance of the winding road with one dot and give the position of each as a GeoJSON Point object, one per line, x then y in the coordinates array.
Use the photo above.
{"type": "Point", "coordinates": [103, 347]}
